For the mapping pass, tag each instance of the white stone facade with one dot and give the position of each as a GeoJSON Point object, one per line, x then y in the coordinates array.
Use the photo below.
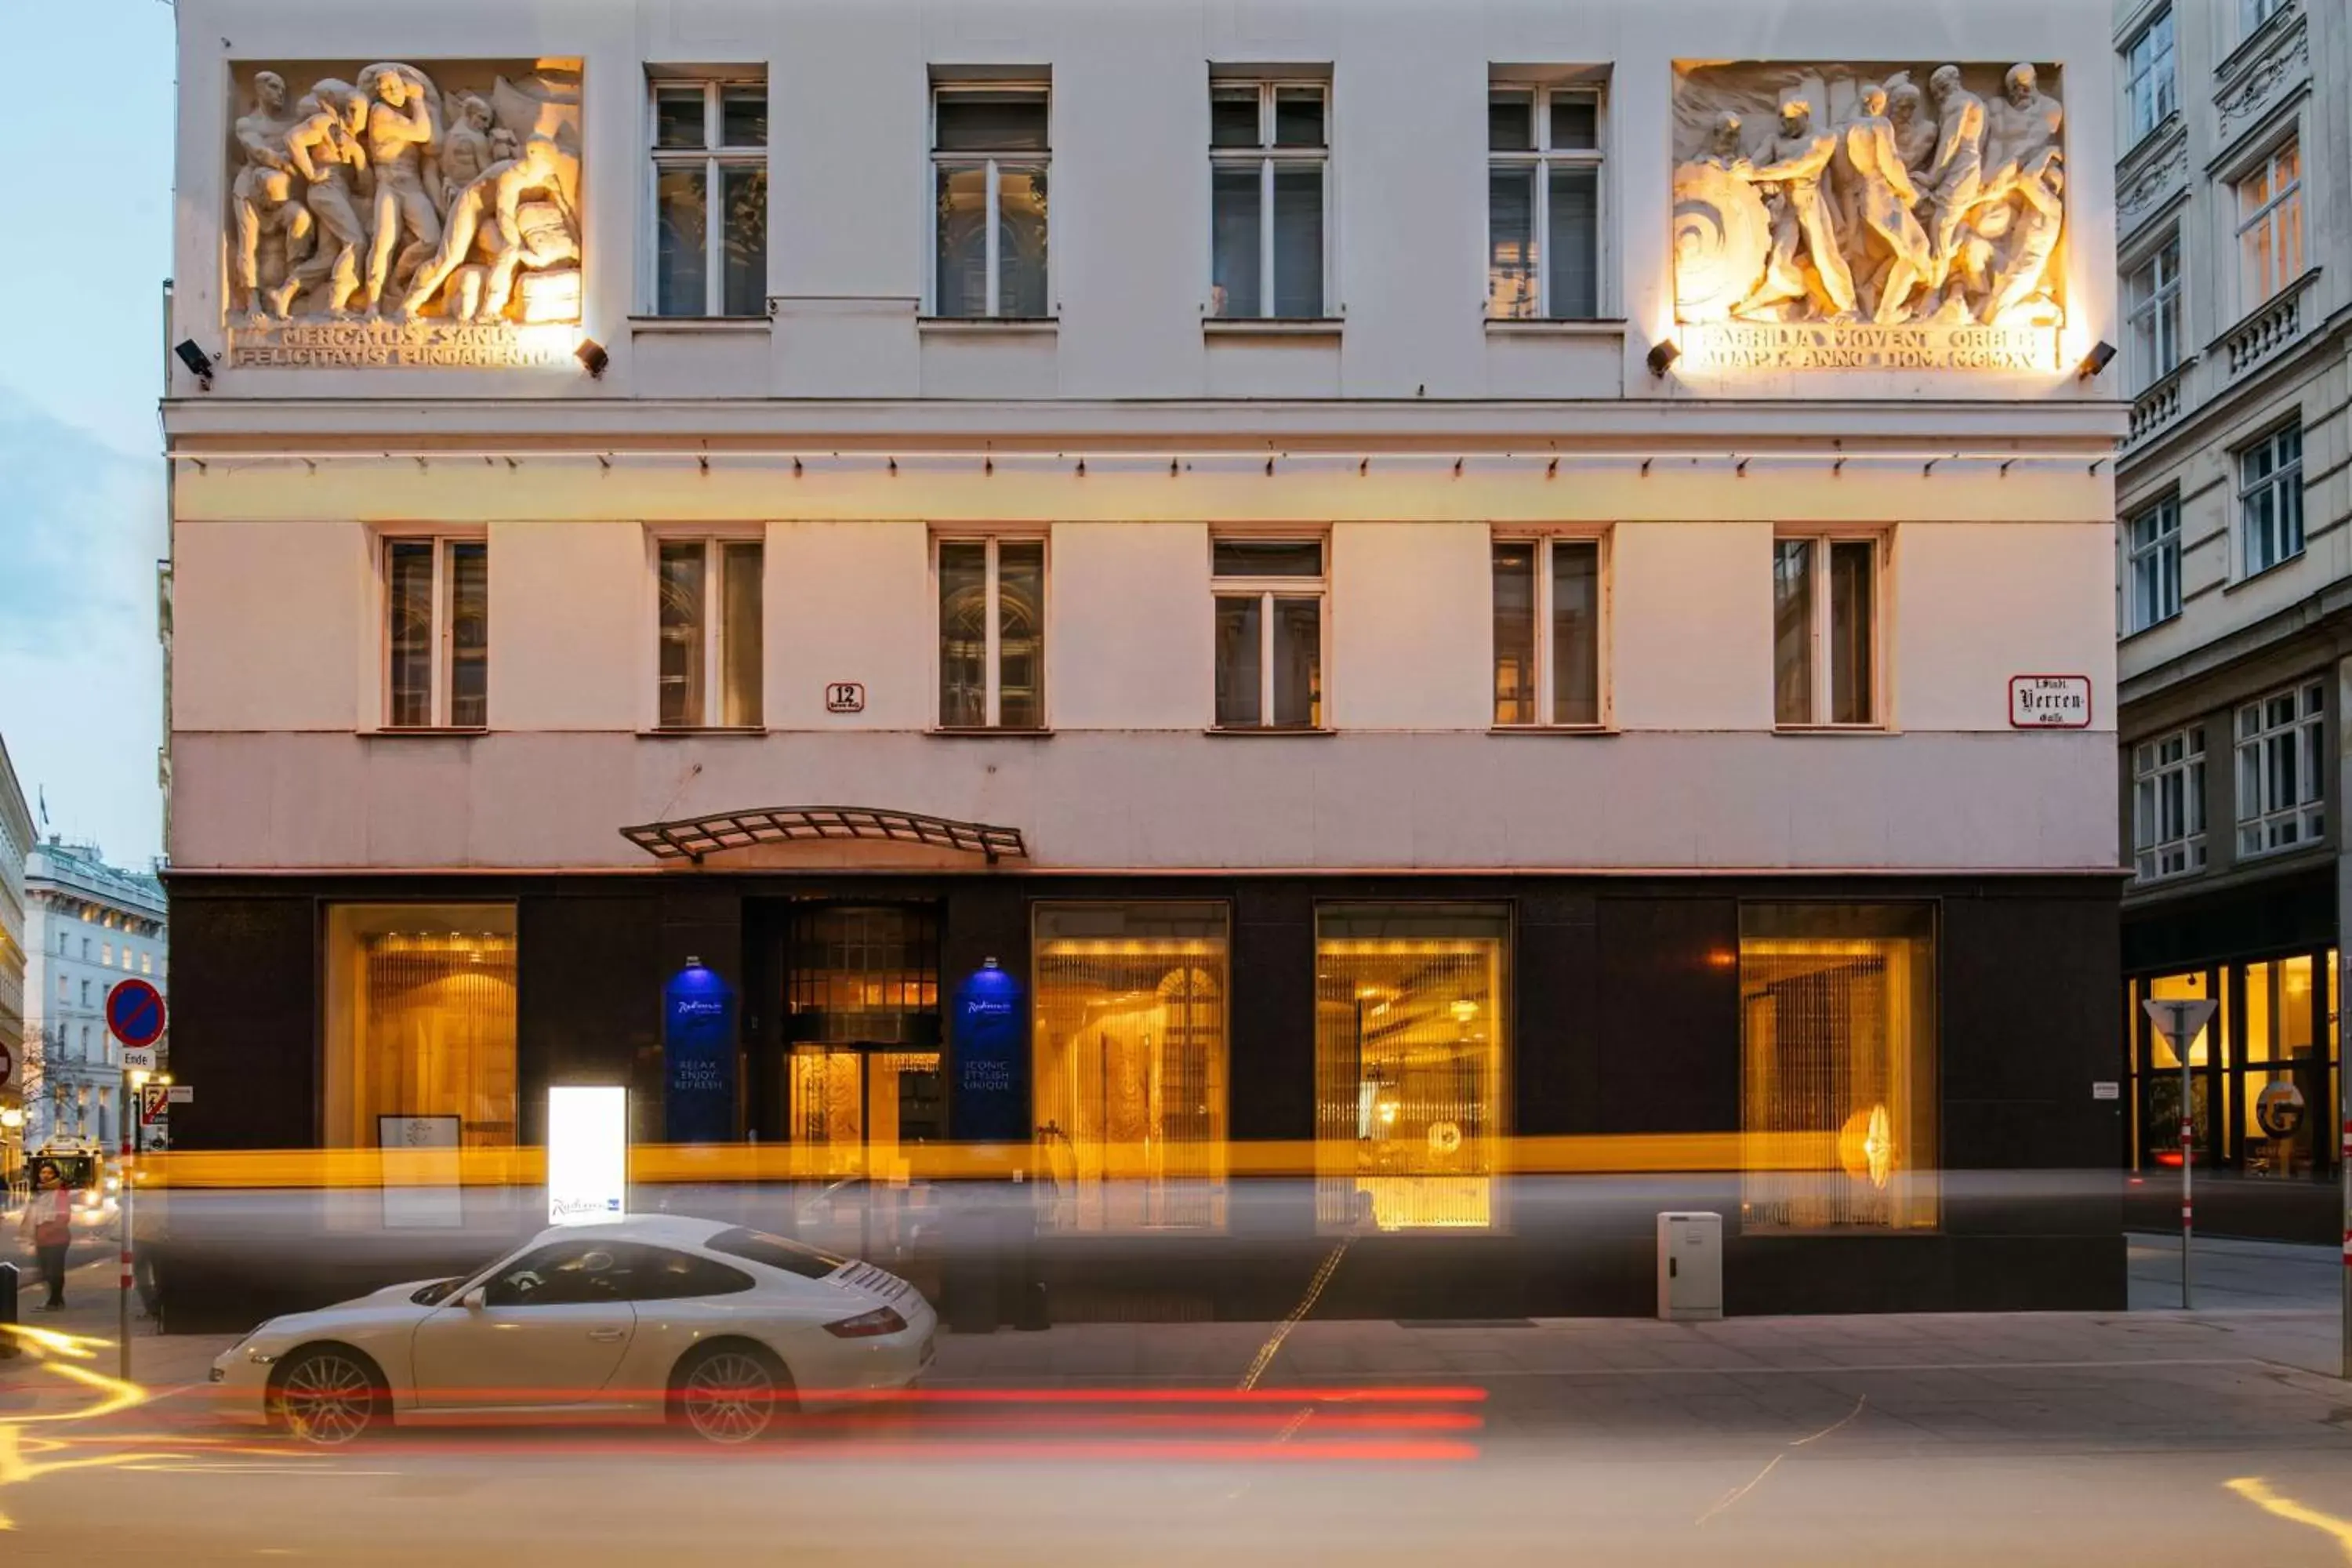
{"type": "Point", "coordinates": [16, 837]}
{"type": "Point", "coordinates": [88, 926]}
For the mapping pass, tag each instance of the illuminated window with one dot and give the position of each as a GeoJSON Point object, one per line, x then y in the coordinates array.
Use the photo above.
{"type": "Point", "coordinates": [2269, 225]}
{"type": "Point", "coordinates": [1269, 160]}
{"type": "Point", "coordinates": [1547, 604]}
{"type": "Point", "coordinates": [1543, 203]}
{"type": "Point", "coordinates": [2279, 1087]}
{"type": "Point", "coordinates": [989, 160]}
{"type": "Point", "coordinates": [1269, 601]}
{"type": "Point", "coordinates": [420, 1019]}
{"type": "Point", "coordinates": [1412, 1036]}
{"type": "Point", "coordinates": [436, 634]}
{"type": "Point", "coordinates": [1131, 1057]}
{"type": "Point", "coordinates": [710, 594]}
{"type": "Point", "coordinates": [2169, 805]}
{"type": "Point", "coordinates": [2281, 762]}
{"type": "Point", "coordinates": [1825, 632]}
{"type": "Point", "coordinates": [711, 136]}
{"type": "Point", "coordinates": [1838, 1049]}
{"type": "Point", "coordinates": [992, 633]}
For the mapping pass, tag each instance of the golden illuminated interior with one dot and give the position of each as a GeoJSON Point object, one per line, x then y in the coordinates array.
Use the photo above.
{"type": "Point", "coordinates": [1410, 1041]}
{"type": "Point", "coordinates": [421, 1020]}
{"type": "Point", "coordinates": [845, 1105]}
{"type": "Point", "coordinates": [1837, 1014]}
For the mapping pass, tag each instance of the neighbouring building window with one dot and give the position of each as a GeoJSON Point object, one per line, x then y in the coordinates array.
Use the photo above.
{"type": "Point", "coordinates": [1825, 631]}
{"type": "Point", "coordinates": [1548, 601]}
{"type": "Point", "coordinates": [146, 964]}
{"type": "Point", "coordinates": [989, 162]}
{"type": "Point", "coordinates": [2270, 500]}
{"type": "Point", "coordinates": [2252, 14]}
{"type": "Point", "coordinates": [2270, 227]}
{"type": "Point", "coordinates": [2154, 540]}
{"type": "Point", "coordinates": [2169, 805]}
{"type": "Point", "coordinates": [2152, 301]}
{"type": "Point", "coordinates": [711, 593]}
{"type": "Point", "coordinates": [1838, 1098]}
{"type": "Point", "coordinates": [437, 613]}
{"type": "Point", "coordinates": [106, 955]}
{"type": "Point", "coordinates": [1269, 601]}
{"type": "Point", "coordinates": [2280, 1087]}
{"type": "Point", "coordinates": [2281, 776]}
{"type": "Point", "coordinates": [85, 992]}
{"type": "Point", "coordinates": [420, 1021]}
{"type": "Point", "coordinates": [711, 196]}
{"type": "Point", "coordinates": [1132, 1053]}
{"type": "Point", "coordinates": [1543, 203]}
{"type": "Point", "coordinates": [2149, 90]}
{"type": "Point", "coordinates": [1412, 1040]}
{"type": "Point", "coordinates": [1268, 158]}
{"type": "Point", "coordinates": [992, 633]}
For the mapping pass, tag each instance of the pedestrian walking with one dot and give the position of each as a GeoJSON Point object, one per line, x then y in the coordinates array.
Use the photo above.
{"type": "Point", "coordinates": [48, 1221]}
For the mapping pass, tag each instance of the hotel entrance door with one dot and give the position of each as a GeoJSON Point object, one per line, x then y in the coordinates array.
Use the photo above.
{"type": "Point", "coordinates": [857, 1108]}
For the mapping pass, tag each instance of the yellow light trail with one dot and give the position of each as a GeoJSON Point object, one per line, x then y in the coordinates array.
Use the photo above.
{"type": "Point", "coordinates": [2256, 1490]}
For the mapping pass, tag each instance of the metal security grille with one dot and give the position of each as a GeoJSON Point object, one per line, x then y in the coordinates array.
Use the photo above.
{"type": "Point", "coordinates": [865, 975]}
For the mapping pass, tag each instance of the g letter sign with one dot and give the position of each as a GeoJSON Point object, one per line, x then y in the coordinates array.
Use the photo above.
{"type": "Point", "coordinates": [2049, 701]}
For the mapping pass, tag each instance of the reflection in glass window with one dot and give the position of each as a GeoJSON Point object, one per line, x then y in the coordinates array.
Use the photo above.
{"type": "Point", "coordinates": [420, 1019]}
{"type": "Point", "coordinates": [1268, 159]}
{"type": "Point", "coordinates": [992, 633]}
{"type": "Point", "coordinates": [436, 633]}
{"type": "Point", "coordinates": [709, 615]}
{"type": "Point", "coordinates": [1270, 633]}
{"type": "Point", "coordinates": [1547, 631]}
{"type": "Point", "coordinates": [989, 187]}
{"type": "Point", "coordinates": [1412, 1034]}
{"type": "Point", "coordinates": [710, 137]}
{"type": "Point", "coordinates": [1543, 203]}
{"type": "Point", "coordinates": [1838, 1048]}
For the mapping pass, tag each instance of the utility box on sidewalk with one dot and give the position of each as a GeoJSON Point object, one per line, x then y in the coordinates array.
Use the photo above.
{"type": "Point", "coordinates": [1690, 1267]}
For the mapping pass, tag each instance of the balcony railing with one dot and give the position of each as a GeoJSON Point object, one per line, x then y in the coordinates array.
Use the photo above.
{"type": "Point", "coordinates": [2157, 407]}
{"type": "Point", "coordinates": [2278, 322]}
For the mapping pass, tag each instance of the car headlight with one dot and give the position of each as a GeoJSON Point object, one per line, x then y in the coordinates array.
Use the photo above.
{"type": "Point", "coordinates": [867, 1325]}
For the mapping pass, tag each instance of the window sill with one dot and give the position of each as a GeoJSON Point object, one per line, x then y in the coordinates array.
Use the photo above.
{"type": "Point", "coordinates": [2250, 578]}
{"type": "Point", "coordinates": [988, 732]}
{"type": "Point", "coordinates": [1262, 732]}
{"type": "Point", "coordinates": [691, 731]}
{"type": "Point", "coordinates": [1575, 731]}
{"type": "Point", "coordinates": [2157, 625]}
{"type": "Point", "coordinates": [1323, 328]}
{"type": "Point", "coordinates": [724, 325]}
{"type": "Point", "coordinates": [1811, 730]}
{"type": "Point", "coordinates": [428, 731]}
{"type": "Point", "coordinates": [988, 326]}
{"type": "Point", "coordinates": [1555, 327]}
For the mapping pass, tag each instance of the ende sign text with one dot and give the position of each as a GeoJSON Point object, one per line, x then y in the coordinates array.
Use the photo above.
{"type": "Point", "coordinates": [1827, 345]}
{"type": "Point", "coordinates": [371, 345]}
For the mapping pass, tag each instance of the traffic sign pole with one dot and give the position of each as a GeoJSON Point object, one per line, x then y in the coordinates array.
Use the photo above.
{"type": "Point", "coordinates": [130, 1184]}
{"type": "Point", "coordinates": [2180, 1020]}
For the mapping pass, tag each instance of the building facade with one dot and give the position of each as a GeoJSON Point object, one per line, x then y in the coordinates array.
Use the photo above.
{"type": "Point", "coordinates": [1454, 586]}
{"type": "Point", "coordinates": [88, 926]}
{"type": "Point", "coordinates": [2234, 567]}
{"type": "Point", "coordinates": [15, 1069]}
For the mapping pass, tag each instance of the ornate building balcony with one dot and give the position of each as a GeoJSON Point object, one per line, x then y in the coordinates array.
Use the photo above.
{"type": "Point", "coordinates": [2159, 407]}
{"type": "Point", "coordinates": [2275, 324]}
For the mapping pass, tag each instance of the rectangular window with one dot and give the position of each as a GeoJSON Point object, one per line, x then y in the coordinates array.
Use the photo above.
{"type": "Point", "coordinates": [2169, 805]}
{"type": "Point", "coordinates": [2153, 537]}
{"type": "Point", "coordinates": [709, 617]}
{"type": "Point", "coordinates": [438, 634]}
{"type": "Point", "coordinates": [2150, 92]}
{"type": "Point", "coordinates": [2270, 227]}
{"type": "Point", "coordinates": [1132, 1016]}
{"type": "Point", "coordinates": [2282, 770]}
{"type": "Point", "coordinates": [989, 163]}
{"type": "Point", "coordinates": [1547, 599]}
{"type": "Point", "coordinates": [106, 955]}
{"type": "Point", "coordinates": [1269, 155]}
{"type": "Point", "coordinates": [2152, 302]}
{"type": "Point", "coordinates": [1838, 1098]}
{"type": "Point", "coordinates": [2252, 14]}
{"type": "Point", "coordinates": [1543, 204]}
{"type": "Point", "coordinates": [992, 633]}
{"type": "Point", "coordinates": [1412, 1040]}
{"type": "Point", "coordinates": [1269, 603]}
{"type": "Point", "coordinates": [709, 209]}
{"type": "Point", "coordinates": [420, 1019]}
{"type": "Point", "coordinates": [1825, 632]}
{"type": "Point", "coordinates": [2269, 501]}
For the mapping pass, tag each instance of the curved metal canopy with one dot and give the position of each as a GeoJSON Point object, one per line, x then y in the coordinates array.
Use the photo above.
{"type": "Point", "coordinates": [690, 839]}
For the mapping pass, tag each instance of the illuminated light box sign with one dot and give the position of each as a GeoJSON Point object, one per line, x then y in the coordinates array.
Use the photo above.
{"type": "Point", "coordinates": [587, 1154]}
{"type": "Point", "coordinates": [1752, 348]}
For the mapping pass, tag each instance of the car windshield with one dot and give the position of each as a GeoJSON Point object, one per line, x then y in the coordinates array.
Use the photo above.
{"type": "Point", "coordinates": [792, 1256]}
{"type": "Point", "coordinates": [440, 1291]}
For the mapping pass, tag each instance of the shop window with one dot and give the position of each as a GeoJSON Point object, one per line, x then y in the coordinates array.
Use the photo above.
{"type": "Point", "coordinates": [420, 1020]}
{"type": "Point", "coordinates": [2156, 1097]}
{"type": "Point", "coordinates": [1411, 1035]}
{"type": "Point", "coordinates": [992, 633]}
{"type": "Point", "coordinates": [1131, 1057]}
{"type": "Point", "coordinates": [2280, 1087]}
{"type": "Point", "coordinates": [1838, 1046]}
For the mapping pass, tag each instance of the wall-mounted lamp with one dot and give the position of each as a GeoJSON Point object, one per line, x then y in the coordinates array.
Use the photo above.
{"type": "Point", "coordinates": [1662, 355]}
{"type": "Point", "coordinates": [592, 357]}
{"type": "Point", "coordinates": [2101, 354]}
{"type": "Point", "coordinates": [199, 362]}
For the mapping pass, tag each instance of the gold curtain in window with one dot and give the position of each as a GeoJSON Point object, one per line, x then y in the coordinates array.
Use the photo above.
{"type": "Point", "coordinates": [1837, 1007]}
{"type": "Point", "coordinates": [435, 1030]}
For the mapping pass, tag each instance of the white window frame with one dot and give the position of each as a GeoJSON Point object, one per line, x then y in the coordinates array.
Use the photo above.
{"type": "Point", "coordinates": [1881, 699]}
{"type": "Point", "coordinates": [2153, 561]}
{"type": "Point", "coordinates": [1542, 159]}
{"type": "Point", "coordinates": [1545, 544]}
{"type": "Point", "coordinates": [994, 706]}
{"type": "Point", "coordinates": [444, 670]}
{"type": "Point", "coordinates": [2300, 823]}
{"type": "Point", "coordinates": [1042, 158]}
{"type": "Point", "coordinates": [2162, 307]}
{"type": "Point", "coordinates": [2165, 842]}
{"type": "Point", "coordinates": [2284, 485]}
{"type": "Point", "coordinates": [2267, 215]}
{"type": "Point", "coordinates": [2151, 76]}
{"type": "Point", "coordinates": [1269, 157]}
{"type": "Point", "coordinates": [1267, 590]}
{"type": "Point", "coordinates": [714, 617]}
{"type": "Point", "coordinates": [713, 155]}
{"type": "Point", "coordinates": [2252, 14]}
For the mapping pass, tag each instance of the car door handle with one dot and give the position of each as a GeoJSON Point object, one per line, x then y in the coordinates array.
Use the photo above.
{"type": "Point", "coordinates": [608, 1336]}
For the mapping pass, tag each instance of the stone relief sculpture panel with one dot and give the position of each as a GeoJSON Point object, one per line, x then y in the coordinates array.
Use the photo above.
{"type": "Point", "coordinates": [1904, 216]}
{"type": "Point", "coordinates": [387, 214]}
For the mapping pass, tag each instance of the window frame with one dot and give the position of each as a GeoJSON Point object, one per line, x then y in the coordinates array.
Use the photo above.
{"type": "Point", "coordinates": [714, 154]}
{"type": "Point", "coordinates": [1821, 630]}
{"type": "Point", "coordinates": [714, 638]}
{"type": "Point", "coordinates": [1270, 158]}
{"type": "Point", "coordinates": [1546, 693]}
{"type": "Point", "coordinates": [2147, 560]}
{"type": "Point", "coordinates": [2264, 166]}
{"type": "Point", "coordinates": [2163, 308]}
{"type": "Point", "coordinates": [1540, 159]}
{"type": "Point", "coordinates": [2307, 731]}
{"type": "Point", "coordinates": [993, 643]}
{"type": "Point", "coordinates": [2153, 851]}
{"type": "Point", "coordinates": [935, 158]}
{"type": "Point", "coordinates": [2253, 14]}
{"type": "Point", "coordinates": [1267, 590]}
{"type": "Point", "coordinates": [2164, 101]}
{"type": "Point", "coordinates": [444, 665]}
{"type": "Point", "coordinates": [2284, 482]}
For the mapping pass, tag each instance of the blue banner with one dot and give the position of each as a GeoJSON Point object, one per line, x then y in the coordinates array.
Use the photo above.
{"type": "Point", "coordinates": [988, 1034]}
{"type": "Point", "coordinates": [698, 1057]}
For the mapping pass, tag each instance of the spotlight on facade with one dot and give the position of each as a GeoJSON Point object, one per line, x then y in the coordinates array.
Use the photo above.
{"type": "Point", "coordinates": [2102, 354]}
{"type": "Point", "coordinates": [1662, 355]}
{"type": "Point", "coordinates": [199, 362]}
{"type": "Point", "coordinates": [591, 353]}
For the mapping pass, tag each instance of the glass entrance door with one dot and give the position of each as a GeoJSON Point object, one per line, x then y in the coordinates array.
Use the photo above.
{"type": "Point", "coordinates": [857, 1108]}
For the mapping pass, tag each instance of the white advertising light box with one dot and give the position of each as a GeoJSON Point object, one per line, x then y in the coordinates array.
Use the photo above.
{"type": "Point", "coordinates": [587, 1154]}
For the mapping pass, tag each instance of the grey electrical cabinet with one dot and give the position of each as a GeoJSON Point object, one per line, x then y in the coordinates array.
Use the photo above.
{"type": "Point", "coordinates": [1690, 1267]}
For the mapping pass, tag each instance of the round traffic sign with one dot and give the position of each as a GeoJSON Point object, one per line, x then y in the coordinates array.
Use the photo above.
{"type": "Point", "coordinates": [134, 1013]}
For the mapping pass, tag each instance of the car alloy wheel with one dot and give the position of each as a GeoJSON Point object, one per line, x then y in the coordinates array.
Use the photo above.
{"type": "Point", "coordinates": [730, 1395]}
{"type": "Point", "coordinates": [328, 1397]}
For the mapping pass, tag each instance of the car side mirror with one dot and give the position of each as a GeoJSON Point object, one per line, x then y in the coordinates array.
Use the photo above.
{"type": "Point", "coordinates": [474, 1301]}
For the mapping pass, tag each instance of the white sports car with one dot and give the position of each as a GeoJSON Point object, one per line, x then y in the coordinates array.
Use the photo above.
{"type": "Point", "coordinates": [654, 1319]}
